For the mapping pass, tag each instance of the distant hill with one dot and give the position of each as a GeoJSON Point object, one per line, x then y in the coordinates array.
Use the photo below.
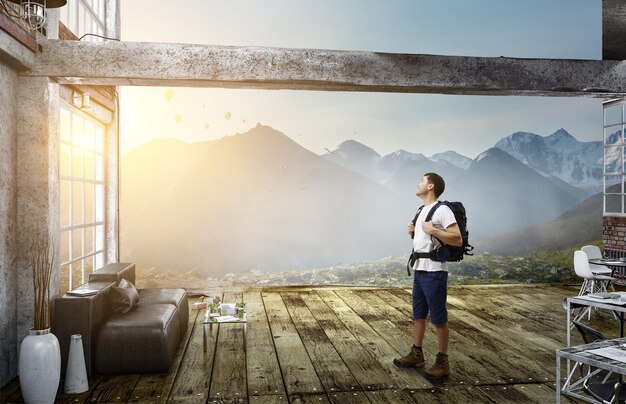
{"type": "Point", "coordinates": [355, 156]}
{"type": "Point", "coordinates": [402, 171]}
{"type": "Point", "coordinates": [502, 194]}
{"type": "Point", "coordinates": [399, 171]}
{"type": "Point", "coordinates": [453, 158]}
{"type": "Point", "coordinates": [258, 200]}
{"type": "Point", "coordinates": [559, 155]}
{"type": "Point", "coordinates": [252, 200]}
{"type": "Point", "coordinates": [579, 225]}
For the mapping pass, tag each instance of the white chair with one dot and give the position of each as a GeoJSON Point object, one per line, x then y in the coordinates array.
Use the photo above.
{"type": "Point", "coordinates": [591, 282]}
{"type": "Point", "coordinates": [593, 252]}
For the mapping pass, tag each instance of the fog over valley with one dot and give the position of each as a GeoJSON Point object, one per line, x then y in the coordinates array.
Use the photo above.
{"type": "Point", "coordinates": [258, 200]}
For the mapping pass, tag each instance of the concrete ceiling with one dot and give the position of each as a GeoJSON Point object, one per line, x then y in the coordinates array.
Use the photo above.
{"type": "Point", "coordinates": [161, 64]}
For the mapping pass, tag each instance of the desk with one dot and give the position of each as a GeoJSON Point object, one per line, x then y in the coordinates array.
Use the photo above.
{"type": "Point", "coordinates": [582, 301]}
{"type": "Point", "coordinates": [614, 263]}
{"type": "Point", "coordinates": [608, 262]}
{"type": "Point", "coordinates": [580, 355]}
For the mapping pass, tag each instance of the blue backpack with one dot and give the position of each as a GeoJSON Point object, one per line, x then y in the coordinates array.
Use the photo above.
{"type": "Point", "coordinates": [445, 252]}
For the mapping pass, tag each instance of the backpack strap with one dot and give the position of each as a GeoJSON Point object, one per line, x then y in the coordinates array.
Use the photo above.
{"type": "Point", "coordinates": [417, 214]}
{"type": "Point", "coordinates": [412, 257]}
{"type": "Point", "coordinates": [430, 214]}
{"type": "Point", "coordinates": [429, 217]}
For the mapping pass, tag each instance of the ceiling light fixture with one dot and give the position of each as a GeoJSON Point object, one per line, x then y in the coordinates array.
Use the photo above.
{"type": "Point", "coordinates": [82, 101]}
{"type": "Point", "coordinates": [33, 12]}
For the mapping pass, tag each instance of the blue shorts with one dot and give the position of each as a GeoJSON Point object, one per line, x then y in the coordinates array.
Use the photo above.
{"type": "Point", "coordinates": [430, 290]}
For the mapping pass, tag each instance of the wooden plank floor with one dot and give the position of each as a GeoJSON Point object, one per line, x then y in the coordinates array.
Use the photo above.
{"type": "Point", "coordinates": [336, 345]}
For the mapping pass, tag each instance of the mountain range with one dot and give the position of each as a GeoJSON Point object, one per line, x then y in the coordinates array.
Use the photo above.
{"type": "Point", "coordinates": [559, 155]}
{"type": "Point", "coordinates": [253, 200]}
{"type": "Point", "coordinates": [259, 200]}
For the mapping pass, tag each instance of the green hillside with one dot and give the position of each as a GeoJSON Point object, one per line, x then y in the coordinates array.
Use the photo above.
{"type": "Point", "coordinates": [577, 226]}
{"type": "Point", "coordinates": [551, 236]}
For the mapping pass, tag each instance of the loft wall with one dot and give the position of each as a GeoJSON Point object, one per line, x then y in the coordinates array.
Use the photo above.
{"type": "Point", "coordinates": [8, 224]}
{"type": "Point", "coordinates": [29, 194]}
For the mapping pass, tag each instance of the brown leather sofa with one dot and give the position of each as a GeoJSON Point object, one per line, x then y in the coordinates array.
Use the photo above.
{"type": "Point", "coordinates": [143, 340]}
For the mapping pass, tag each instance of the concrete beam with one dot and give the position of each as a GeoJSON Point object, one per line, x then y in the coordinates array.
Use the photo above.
{"type": "Point", "coordinates": [613, 29]}
{"type": "Point", "coordinates": [14, 53]}
{"type": "Point", "coordinates": [38, 203]}
{"type": "Point", "coordinates": [154, 64]}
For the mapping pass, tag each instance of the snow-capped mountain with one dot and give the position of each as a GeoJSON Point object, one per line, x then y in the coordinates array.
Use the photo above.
{"type": "Point", "coordinates": [559, 155]}
{"type": "Point", "coordinates": [400, 170]}
{"type": "Point", "coordinates": [391, 163]}
{"type": "Point", "coordinates": [453, 158]}
{"type": "Point", "coordinates": [501, 194]}
{"type": "Point", "coordinates": [356, 157]}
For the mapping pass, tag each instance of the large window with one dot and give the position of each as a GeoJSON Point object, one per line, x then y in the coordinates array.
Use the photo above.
{"type": "Point", "coordinates": [84, 17]}
{"type": "Point", "coordinates": [614, 162]}
{"type": "Point", "coordinates": [81, 174]}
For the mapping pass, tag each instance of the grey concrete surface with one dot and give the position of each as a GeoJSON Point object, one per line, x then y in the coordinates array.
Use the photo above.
{"type": "Point", "coordinates": [162, 64]}
{"type": "Point", "coordinates": [37, 184]}
{"type": "Point", "coordinates": [14, 54]}
{"type": "Point", "coordinates": [8, 225]}
{"type": "Point", "coordinates": [613, 29]}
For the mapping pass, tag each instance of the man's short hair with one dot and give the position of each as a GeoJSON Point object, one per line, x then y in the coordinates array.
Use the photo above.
{"type": "Point", "coordinates": [437, 181]}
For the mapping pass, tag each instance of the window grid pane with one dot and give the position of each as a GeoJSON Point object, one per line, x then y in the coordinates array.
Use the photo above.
{"type": "Point", "coordinates": [84, 17]}
{"type": "Point", "coordinates": [614, 161]}
{"type": "Point", "coordinates": [82, 201]}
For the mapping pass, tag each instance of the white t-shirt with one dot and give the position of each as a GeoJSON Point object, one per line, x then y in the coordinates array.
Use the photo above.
{"type": "Point", "coordinates": [423, 242]}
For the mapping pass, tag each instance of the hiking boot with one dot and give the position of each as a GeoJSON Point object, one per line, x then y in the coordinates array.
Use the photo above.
{"type": "Point", "coordinates": [415, 358]}
{"type": "Point", "coordinates": [440, 369]}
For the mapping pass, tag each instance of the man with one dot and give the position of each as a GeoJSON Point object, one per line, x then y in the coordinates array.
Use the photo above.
{"type": "Point", "coordinates": [431, 277]}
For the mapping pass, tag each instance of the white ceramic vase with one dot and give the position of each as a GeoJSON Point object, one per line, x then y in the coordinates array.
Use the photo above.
{"type": "Point", "coordinates": [76, 373]}
{"type": "Point", "coordinates": [39, 367]}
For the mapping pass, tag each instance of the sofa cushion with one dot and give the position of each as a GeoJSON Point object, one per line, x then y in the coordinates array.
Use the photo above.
{"type": "Point", "coordinates": [144, 340]}
{"type": "Point", "coordinates": [123, 297]}
{"type": "Point", "coordinates": [114, 272]}
{"type": "Point", "coordinates": [177, 297]}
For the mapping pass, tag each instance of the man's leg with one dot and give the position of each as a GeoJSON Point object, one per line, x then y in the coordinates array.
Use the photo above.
{"type": "Point", "coordinates": [419, 329]}
{"type": "Point", "coordinates": [443, 336]}
{"type": "Point", "coordinates": [436, 293]}
{"type": "Point", "coordinates": [415, 358]}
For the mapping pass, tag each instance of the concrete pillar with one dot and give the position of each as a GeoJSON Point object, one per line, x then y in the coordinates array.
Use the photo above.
{"type": "Point", "coordinates": [37, 184]}
{"type": "Point", "coordinates": [8, 225]}
{"type": "Point", "coordinates": [613, 30]}
{"type": "Point", "coordinates": [112, 18]}
{"type": "Point", "coordinates": [112, 188]}
{"type": "Point", "coordinates": [53, 16]}
{"type": "Point", "coordinates": [113, 24]}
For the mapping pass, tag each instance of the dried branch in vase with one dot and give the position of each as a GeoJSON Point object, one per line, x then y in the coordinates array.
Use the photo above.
{"type": "Point", "coordinates": [42, 257]}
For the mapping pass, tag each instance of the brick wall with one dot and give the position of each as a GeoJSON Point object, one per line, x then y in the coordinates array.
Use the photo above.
{"type": "Point", "coordinates": [614, 240]}
{"type": "Point", "coordinates": [65, 33]}
{"type": "Point", "coordinates": [17, 28]}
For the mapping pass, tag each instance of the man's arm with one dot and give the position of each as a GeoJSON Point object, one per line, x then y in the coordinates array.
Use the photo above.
{"type": "Point", "coordinates": [450, 236]}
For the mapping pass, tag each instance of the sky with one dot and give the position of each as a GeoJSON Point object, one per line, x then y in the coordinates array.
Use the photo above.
{"type": "Point", "coordinates": [425, 123]}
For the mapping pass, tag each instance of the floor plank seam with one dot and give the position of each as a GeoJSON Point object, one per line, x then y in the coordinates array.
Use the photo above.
{"type": "Point", "coordinates": [282, 375]}
{"type": "Point", "coordinates": [333, 345]}
{"type": "Point", "coordinates": [365, 349]}
{"type": "Point", "coordinates": [373, 329]}
{"type": "Point", "coordinates": [305, 348]}
{"type": "Point", "coordinates": [180, 363]}
{"type": "Point", "coordinates": [217, 338]}
{"type": "Point", "coordinates": [245, 350]}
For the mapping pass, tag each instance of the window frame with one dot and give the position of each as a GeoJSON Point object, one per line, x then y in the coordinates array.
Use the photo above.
{"type": "Point", "coordinates": [91, 21]}
{"type": "Point", "coordinates": [608, 129]}
{"type": "Point", "coordinates": [97, 255]}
